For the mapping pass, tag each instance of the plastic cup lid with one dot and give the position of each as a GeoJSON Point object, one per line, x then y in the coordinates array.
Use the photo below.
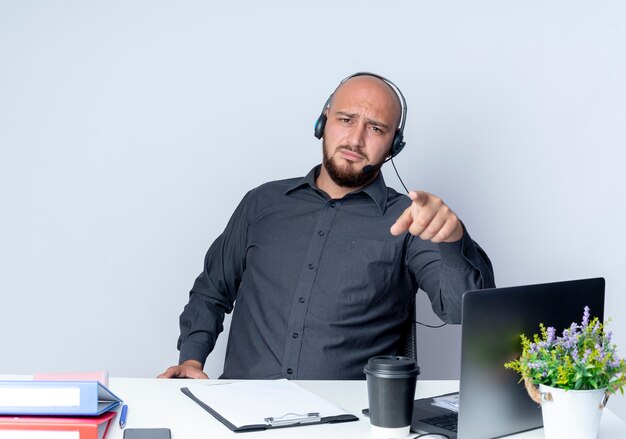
{"type": "Point", "coordinates": [390, 365]}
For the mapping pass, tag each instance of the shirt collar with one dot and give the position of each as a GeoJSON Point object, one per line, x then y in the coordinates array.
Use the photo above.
{"type": "Point", "coordinates": [376, 190]}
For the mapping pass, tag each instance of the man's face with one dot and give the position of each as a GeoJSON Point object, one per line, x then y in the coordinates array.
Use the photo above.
{"type": "Point", "coordinates": [361, 122]}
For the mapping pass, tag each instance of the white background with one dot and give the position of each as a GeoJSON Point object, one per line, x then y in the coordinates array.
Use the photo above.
{"type": "Point", "coordinates": [129, 131]}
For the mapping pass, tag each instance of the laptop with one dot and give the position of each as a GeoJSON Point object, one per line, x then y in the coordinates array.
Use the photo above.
{"type": "Point", "coordinates": [492, 402]}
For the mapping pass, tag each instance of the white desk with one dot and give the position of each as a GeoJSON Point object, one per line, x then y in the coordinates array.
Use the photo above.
{"type": "Point", "coordinates": [160, 403]}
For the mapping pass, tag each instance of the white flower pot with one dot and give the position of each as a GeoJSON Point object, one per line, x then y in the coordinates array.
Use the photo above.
{"type": "Point", "coordinates": [571, 414]}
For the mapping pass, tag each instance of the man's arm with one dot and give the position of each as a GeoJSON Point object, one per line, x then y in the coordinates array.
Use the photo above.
{"type": "Point", "coordinates": [212, 296]}
{"type": "Point", "coordinates": [446, 262]}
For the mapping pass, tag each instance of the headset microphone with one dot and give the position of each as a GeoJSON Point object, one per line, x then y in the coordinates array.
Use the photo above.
{"type": "Point", "coordinates": [368, 169]}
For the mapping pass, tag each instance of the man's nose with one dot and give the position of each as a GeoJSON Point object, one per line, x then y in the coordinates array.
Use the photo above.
{"type": "Point", "coordinates": [356, 137]}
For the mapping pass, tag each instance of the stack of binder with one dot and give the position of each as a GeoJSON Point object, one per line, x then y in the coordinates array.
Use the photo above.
{"type": "Point", "coordinates": [70, 409]}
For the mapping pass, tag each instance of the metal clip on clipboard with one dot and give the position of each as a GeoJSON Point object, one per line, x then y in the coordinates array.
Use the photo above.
{"type": "Point", "coordinates": [293, 419]}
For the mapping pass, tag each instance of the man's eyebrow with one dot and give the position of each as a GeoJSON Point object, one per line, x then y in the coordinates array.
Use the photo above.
{"type": "Point", "coordinates": [368, 120]}
{"type": "Point", "coordinates": [345, 113]}
{"type": "Point", "coordinates": [377, 123]}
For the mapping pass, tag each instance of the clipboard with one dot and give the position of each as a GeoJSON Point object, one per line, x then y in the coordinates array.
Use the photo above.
{"type": "Point", "coordinates": [260, 405]}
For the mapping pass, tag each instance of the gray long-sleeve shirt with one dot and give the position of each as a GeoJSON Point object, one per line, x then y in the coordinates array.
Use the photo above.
{"type": "Point", "coordinates": [320, 284]}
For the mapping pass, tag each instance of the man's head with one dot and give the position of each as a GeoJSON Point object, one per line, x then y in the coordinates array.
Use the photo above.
{"type": "Point", "coordinates": [362, 119]}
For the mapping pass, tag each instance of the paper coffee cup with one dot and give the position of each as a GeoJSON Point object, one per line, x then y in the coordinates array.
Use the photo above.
{"type": "Point", "coordinates": [391, 390]}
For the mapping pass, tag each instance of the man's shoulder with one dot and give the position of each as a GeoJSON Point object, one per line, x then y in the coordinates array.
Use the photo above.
{"type": "Point", "coordinates": [276, 188]}
{"type": "Point", "coordinates": [284, 183]}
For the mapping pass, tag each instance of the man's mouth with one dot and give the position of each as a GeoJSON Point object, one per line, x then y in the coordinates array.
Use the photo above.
{"type": "Point", "coordinates": [351, 156]}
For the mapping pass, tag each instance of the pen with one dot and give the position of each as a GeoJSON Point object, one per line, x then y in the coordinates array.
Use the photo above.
{"type": "Point", "coordinates": [123, 416]}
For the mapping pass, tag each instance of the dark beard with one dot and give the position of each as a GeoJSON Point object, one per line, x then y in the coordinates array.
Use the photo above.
{"type": "Point", "coordinates": [350, 178]}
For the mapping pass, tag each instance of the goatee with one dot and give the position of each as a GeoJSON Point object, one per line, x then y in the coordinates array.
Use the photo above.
{"type": "Point", "coordinates": [350, 177]}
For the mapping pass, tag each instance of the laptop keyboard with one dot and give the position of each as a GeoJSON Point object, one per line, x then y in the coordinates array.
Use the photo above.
{"type": "Point", "coordinates": [447, 422]}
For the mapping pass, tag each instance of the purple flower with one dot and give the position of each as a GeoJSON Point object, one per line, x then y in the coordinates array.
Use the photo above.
{"type": "Point", "coordinates": [569, 338]}
{"type": "Point", "coordinates": [535, 364]}
{"type": "Point", "coordinates": [585, 317]}
{"type": "Point", "coordinates": [551, 333]}
{"type": "Point", "coordinates": [609, 335]}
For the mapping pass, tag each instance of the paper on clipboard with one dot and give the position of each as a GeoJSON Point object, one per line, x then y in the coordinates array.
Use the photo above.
{"type": "Point", "coordinates": [251, 403]}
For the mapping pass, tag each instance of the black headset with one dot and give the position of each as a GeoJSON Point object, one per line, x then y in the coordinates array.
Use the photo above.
{"type": "Point", "coordinates": [398, 139]}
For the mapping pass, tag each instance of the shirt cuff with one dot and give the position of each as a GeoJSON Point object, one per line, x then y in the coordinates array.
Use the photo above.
{"type": "Point", "coordinates": [193, 351]}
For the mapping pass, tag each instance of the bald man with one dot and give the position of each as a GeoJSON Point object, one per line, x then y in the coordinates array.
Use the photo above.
{"type": "Point", "coordinates": [322, 270]}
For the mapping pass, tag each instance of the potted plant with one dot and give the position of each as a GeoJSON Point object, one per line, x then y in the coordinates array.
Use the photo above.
{"type": "Point", "coordinates": [571, 376]}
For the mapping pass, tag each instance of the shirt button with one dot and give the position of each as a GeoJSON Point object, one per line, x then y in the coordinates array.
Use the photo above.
{"type": "Point", "coordinates": [332, 204]}
{"type": "Point", "coordinates": [301, 300]}
{"type": "Point", "coordinates": [290, 371]}
{"type": "Point", "coordinates": [294, 335]}
{"type": "Point", "coordinates": [320, 233]}
{"type": "Point", "coordinates": [311, 266]}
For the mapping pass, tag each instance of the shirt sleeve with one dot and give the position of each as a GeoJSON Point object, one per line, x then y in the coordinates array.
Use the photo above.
{"type": "Point", "coordinates": [215, 290]}
{"type": "Point", "coordinates": [446, 270]}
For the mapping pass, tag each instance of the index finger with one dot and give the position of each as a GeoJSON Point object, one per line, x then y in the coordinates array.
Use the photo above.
{"type": "Point", "coordinates": [419, 197]}
{"type": "Point", "coordinates": [403, 223]}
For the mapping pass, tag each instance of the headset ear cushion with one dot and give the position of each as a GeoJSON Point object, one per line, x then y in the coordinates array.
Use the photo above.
{"type": "Point", "coordinates": [320, 123]}
{"type": "Point", "coordinates": [398, 143]}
